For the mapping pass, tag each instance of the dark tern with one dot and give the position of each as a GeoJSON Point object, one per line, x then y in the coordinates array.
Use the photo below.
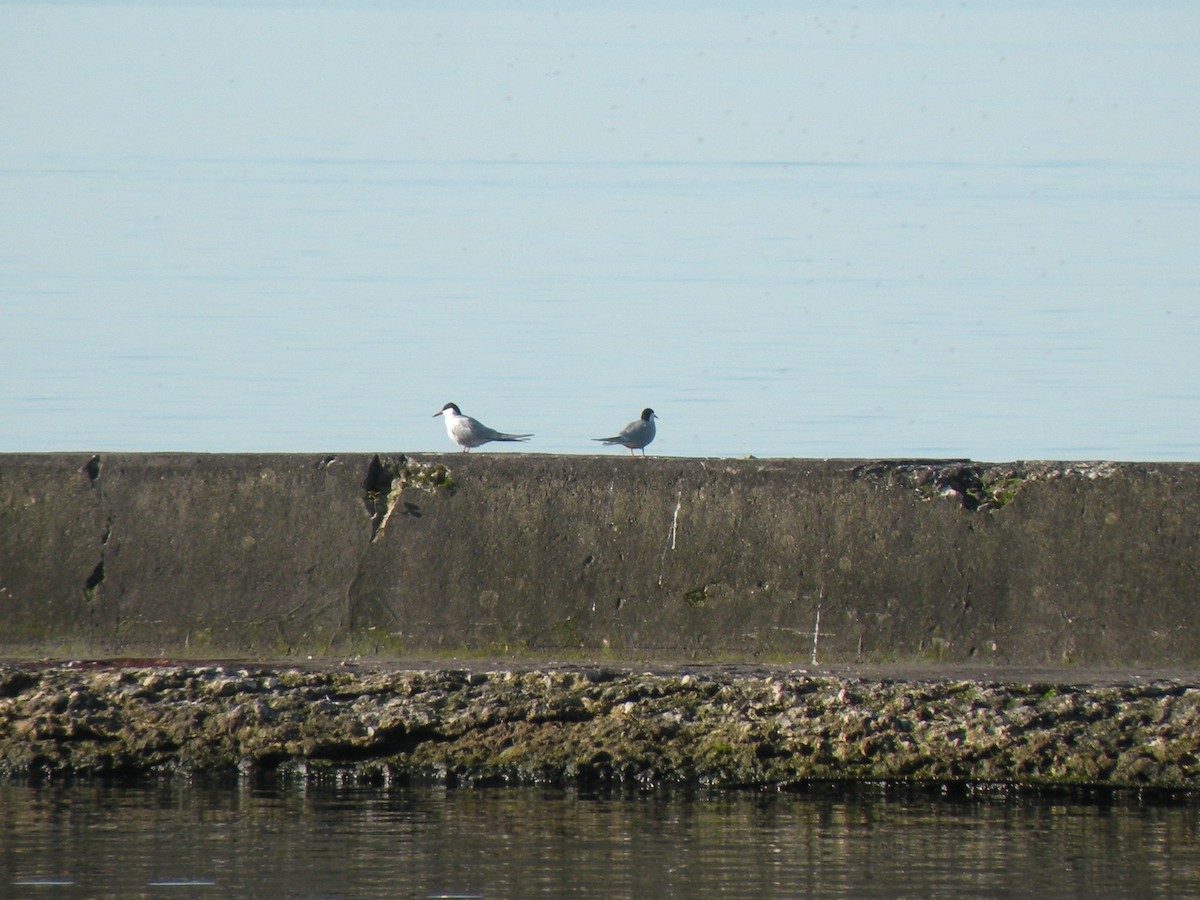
{"type": "Point", "coordinates": [636, 435]}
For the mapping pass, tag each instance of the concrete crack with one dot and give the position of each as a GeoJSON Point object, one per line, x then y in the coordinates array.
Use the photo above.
{"type": "Point", "coordinates": [671, 537]}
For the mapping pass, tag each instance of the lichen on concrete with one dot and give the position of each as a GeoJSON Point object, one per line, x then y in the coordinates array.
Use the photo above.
{"type": "Point", "coordinates": [387, 480]}
{"type": "Point", "coordinates": [978, 487]}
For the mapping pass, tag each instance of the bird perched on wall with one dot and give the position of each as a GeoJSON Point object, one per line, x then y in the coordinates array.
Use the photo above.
{"type": "Point", "coordinates": [468, 432]}
{"type": "Point", "coordinates": [636, 435]}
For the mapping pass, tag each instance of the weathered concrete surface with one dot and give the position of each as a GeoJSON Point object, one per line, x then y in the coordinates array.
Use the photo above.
{"type": "Point", "coordinates": [600, 557]}
{"type": "Point", "coordinates": [708, 727]}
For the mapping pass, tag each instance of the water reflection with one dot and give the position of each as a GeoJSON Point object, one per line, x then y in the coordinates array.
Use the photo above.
{"type": "Point", "coordinates": [173, 838]}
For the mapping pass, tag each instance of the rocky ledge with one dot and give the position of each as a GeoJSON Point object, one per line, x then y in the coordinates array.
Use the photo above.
{"type": "Point", "coordinates": [710, 727]}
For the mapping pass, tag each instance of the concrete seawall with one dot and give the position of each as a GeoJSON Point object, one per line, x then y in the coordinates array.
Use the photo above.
{"type": "Point", "coordinates": [268, 556]}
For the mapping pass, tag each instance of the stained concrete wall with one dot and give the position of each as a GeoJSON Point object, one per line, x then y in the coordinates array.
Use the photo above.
{"type": "Point", "coordinates": [600, 557]}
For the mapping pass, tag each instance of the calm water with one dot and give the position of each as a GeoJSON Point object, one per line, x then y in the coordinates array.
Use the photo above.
{"type": "Point", "coordinates": [794, 229]}
{"type": "Point", "coordinates": [179, 840]}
